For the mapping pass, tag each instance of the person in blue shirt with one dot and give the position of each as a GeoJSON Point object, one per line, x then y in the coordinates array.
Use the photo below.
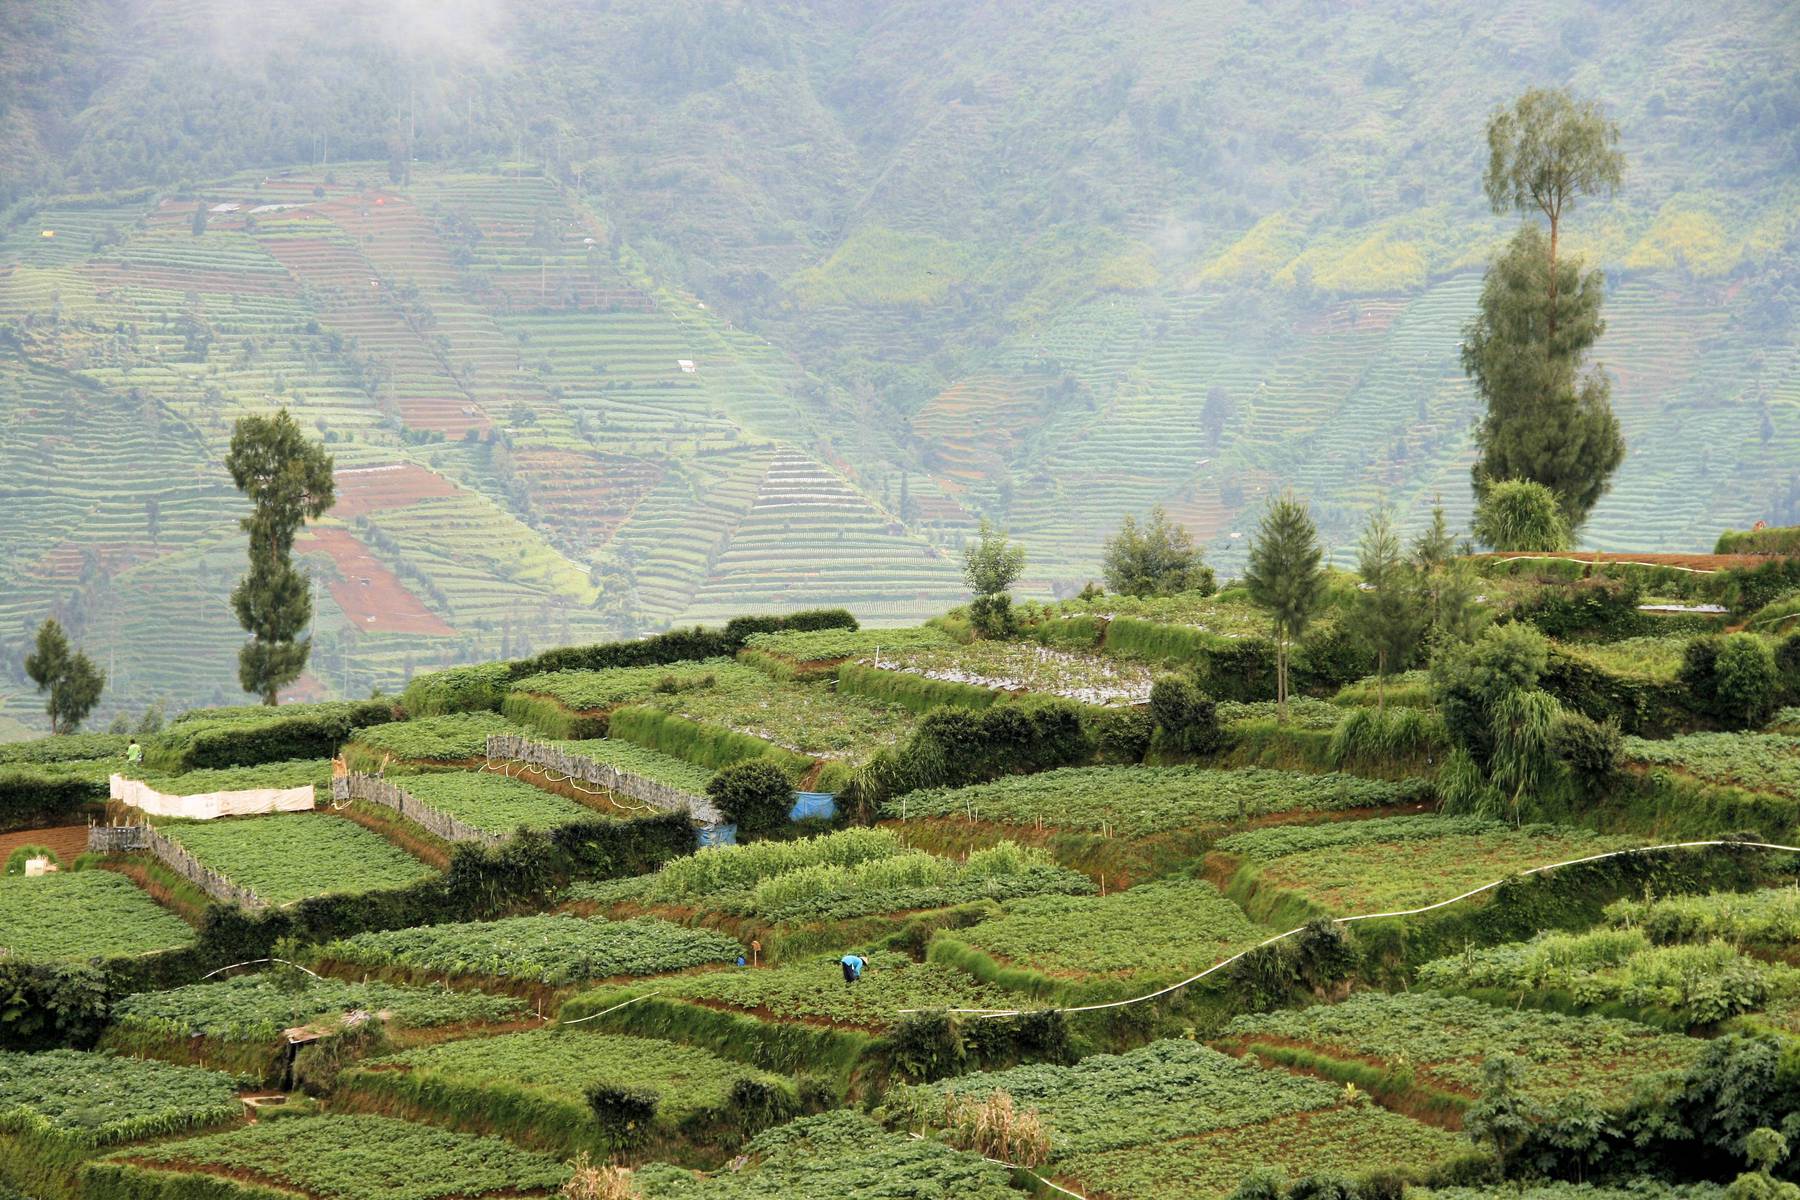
{"type": "Point", "coordinates": [853, 967]}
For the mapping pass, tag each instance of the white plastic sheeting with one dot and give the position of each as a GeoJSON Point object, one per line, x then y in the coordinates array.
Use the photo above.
{"type": "Point", "coordinates": [207, 805]}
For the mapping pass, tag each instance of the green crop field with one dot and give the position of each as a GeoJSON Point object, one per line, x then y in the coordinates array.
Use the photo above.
{"type": "Point", "coordinates": [340, 1158]}
{"type": "Point", "coordinates": [815, 991]}
{"type": "Point", "coordinates": [290, 856]}
{"type": "Point", "coordinates": [542, 949]}
{"type": "Point", "coordinates": [1141, 801]}
{"type": "Point", "coordinates": [72, 917]}
{"type": "Point", "coordinates": [1767, 762]}
{"type": "Point", "coordinates": [96, 1100]}
{"type": "Point", "coordinates": [637, 760]}
{"type": "Point", "coordinates": [494, 802]}
{"type": "Point", "coordinates": [449, 738]}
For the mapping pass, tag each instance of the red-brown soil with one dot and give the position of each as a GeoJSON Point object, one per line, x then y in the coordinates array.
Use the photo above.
{"type": "Point", "coordinates": [372, 597]}
{"type": "Point", "coordinates": [364, 490]}
{"type": "Point", "coordinates": [67, 841]}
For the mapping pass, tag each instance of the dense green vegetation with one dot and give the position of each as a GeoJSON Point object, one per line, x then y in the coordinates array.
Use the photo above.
{"type": "Point", "coordinates": [96, 1100]}
{"type": "Point", "coordinates": [87, 914]}
{"type": "Point", "coordinates": [289, 856]}
{"type": "Point", "coordinates": [494, 803]}
{"type": "Point", "coordinates": [259, 1007]}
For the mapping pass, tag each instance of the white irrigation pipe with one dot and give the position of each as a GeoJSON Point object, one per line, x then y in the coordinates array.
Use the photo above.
{"type": "Point", "coordinates": [254, 961]}
{"type": "Point", "coordinates": [604, 1011]}
{"type": "Point", "coordinates": [1405, 912]}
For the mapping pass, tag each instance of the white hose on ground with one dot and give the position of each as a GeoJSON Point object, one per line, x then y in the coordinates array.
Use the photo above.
{"type": "Point", "coordinates": [1405, 912]}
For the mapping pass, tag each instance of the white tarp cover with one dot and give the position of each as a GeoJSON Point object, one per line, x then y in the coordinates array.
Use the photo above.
{"type": "Point", "coordinates": [207, 805]}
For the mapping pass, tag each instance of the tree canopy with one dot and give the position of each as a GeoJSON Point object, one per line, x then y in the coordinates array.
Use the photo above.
{"type": "Point", "coordinates": [1286, 579]}
{"type": "Point", "coordinates": [72, 680]}
{"type": "Point", "coordinates": [1156, 559]}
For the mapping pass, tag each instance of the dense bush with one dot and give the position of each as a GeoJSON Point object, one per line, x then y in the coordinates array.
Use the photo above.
{"type": "Point", "coordinates": [625, 1114]}
{"type": "Point", "coordinates": [1469, 680]}
{"type": "Point", "coordinates": [1186, 719]}
{"type": "Point", "coordinates": [1779, 539]}
{"type": "Point", "coordinates": [1520, 516]}
{"type": "Point", "coordinates": [1733, 679]}
{"type": "Point", "coordinates": [956, 746]}
{"type": "Point", "coordinates": [1589, 749]}
{"type": "Point", "coordinates": [44, 1005]}
{"type": "Point", "coordinates": [30, 800]}
{"type": "Point", "coordinates": [1593, 607]}
{"type": "Point", "coordinates": [246, 736]}
{"type": "Point", "coordinates": [754, 795]}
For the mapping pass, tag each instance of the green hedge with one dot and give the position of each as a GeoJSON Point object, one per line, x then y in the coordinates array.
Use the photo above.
{"type": "Point", "coordinates": [30, 800]}
{"type": "Point", "coordinates": [245, 737]}
{"type": "Point", "coordinates": [1643, 707]}
{"type": "Point", "coordinates": [705, 745]}
{"type": "Point", "coordinates": [552, 718]}
{"type": "Point", "coordinates": [484, 686]}
{"type": "Point", "coordinates": [915, 692]}
{"type": "Point", "coordinates": [1241, 668]}
{"type": "Point", "coordinates": [1779, 539]}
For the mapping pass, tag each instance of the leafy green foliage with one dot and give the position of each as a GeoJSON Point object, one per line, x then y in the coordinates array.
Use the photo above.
{"type": "Point", "coordinates": [355, 1158]}
{"type": "Point", "coordinates": [815, 990]}
{"type": "Point", "coordinates": [452, 737]}
{"type": "Point", "coordinates": [1187, 721]}
{"type": "Point", "coordinates": [250, 734]}
{"type": "Point", "coordinates": [990, 567]}
{"type": "Point", "coordinates": [1390, 614]}
{"type": "Point", "coordinates": [832, 1156]}
{"type": "Point", "coordinates": [604, 689]}
{"type": "Point", "coordinates": [1469, 682]}
{"type": "Point", "coordinates": [1169, 928]}
{"type": "Point", "coordinates": [1279, 841]}
{"type": "Point", "coordinates": [1768, 762]}
{"type": "Point", "coordinates": [1285, 579]}
{"type": "Point", "coordinates": [258, 1007]}
{"type": "Point", "coordinates": [830, 645]}
{"type": "Point", "coordinates": [1769, 918]}
{"type": "Point", "coordinates": [75, 916]}
{"type": "Point", "coordinates": [493, 802]}
{"type": "Point", "coordinates": [1444, 1040]}
{"type": "Point", "coordinates": [1158, 560]}
{"type": "Point", "coordinates": [545, 949]}
{"type": "Point", "coordinates": [1520, 516]}
{"type": "Point", "coordinates": [68, 675]}
{"type": "Point", "coordinates": [289, 856]}
{"type": "Point", "coordinates": [639, 760]}
{"type": "Point", "coordinates": [1733, 678]}
{"type": "Point", "coordinates": [716, 869]}
{"type": "Point", "coordinates": [754, 795]}
{"type": "Point", "coordinates": [1139, 801]}
{"type": "Point", "coordinates": [97, 1100]}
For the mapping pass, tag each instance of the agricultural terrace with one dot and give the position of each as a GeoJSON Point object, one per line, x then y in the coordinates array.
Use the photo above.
{"type": "Point", "coordinates": [815, 648]}
{"type": "Point", "coordinates": [852, 873]}
{"type": "Point", "coordinates": [1649, 657]}
{"type": "Point", "coordinates": [453, 737]}
{"type": "Point", "coordinates": [335, 1157]}
{"type": "Point", "coordinates": [1158, 1120]}
{"type": "Point", "coordinates": [1026, 667]}
{"type": "Point", "coordinates": [73, 916]}
{"type": "Point", "coordinates": [294, 773]}
{"type": "Point", "coordinates": [96, 1099]}
{"type": "Point", "coordinates": [1620, 971]}
{"type": "Point", "coordinates": [1766, 920]}
{"type": "Point", "coordinates": [494, 803]}
{"type": "Point", "coordinates": [599, 691]}
{"type": "Point", "coordinates": [290, 856]}
{"type": "Point", "coordinates": [1445, 1039]}
{"type": "Point", "coordinates": [543, 949]}
{"type": "Point", "coordinates": [814, 992]}
{"type": "Point", "coordinates": [259, 1007]}
{"type": "Point", "coordinates": [637, 760]}
{"type": "Point", "coordinates": [1143, 801]}
{"type": "Point", "coordinates": [1168, 928]}
{"type": "Point", "coordinates": [532, 1085]}
{"type": "Point", "coordinates": [1764, 762]}
{"type": "Point", "coordinates": [832, 1156]}
{"type": "Point", "coordinates": [1351, 871]}
{"type": "Point", "coordinates": [811, 720]}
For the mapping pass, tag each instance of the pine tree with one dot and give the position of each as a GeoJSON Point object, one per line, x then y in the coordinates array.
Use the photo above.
{"type": "Point", "coordinates": [1546, 419]}
{"type": "Point", "coordinates": [1286, 580]}
{"type": "Point", "coordinates": [71, 678]}
{"type": "Point", "coordinates": [289, 480]}
{"type": "Point", "coordinates": [1389, 616]}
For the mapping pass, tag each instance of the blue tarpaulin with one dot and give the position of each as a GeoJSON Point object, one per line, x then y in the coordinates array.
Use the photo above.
{"type": "Point", "coordinates": [716, 835]}
{"type": "Point", "coordinates": [813, 804]}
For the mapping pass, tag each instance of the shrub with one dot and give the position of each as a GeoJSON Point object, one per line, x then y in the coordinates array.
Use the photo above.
{"type": "Point", "coordinates": [1745, 680]}
{"type": "Point", "coordinates": [625, 1114]}
{"type": "Point", "coordinates": [15, 862]}
{"type": "Point", "coordinates": [29, 799]}
{"type": "Point", "coordinates": [993, 616]}
{"type": "Point", "coordinates": [1186, 718]}
{"type": "Point", "coordinates": [1590, 749]}
{"type": "Point", "coordinates": [1469, 680]}
{"type": "Point", "coordinates": [238, 737]}
{"type": "Point", "coordinates": [1787, 661]}
{"type": "Point", "coordinates": [1777, 539]}
{"type": "Point", "coordinates": [755, 795]}
{"type": "Point", "coordinates": [1520, 515]}
{"type": "Point", "coordinates": [1121, 735]}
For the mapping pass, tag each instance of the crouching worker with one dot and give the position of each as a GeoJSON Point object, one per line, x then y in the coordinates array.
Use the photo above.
{"type": "Point", "coordinates": [853, 967]}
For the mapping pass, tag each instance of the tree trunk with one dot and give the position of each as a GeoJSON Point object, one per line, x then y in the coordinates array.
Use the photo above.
{"type": "Point", "coordinates": [1281, 680]}
{"type": "Point", "coordinates": [1380, 681]}
{"type": "Point", "coordinates": [1550, 333]}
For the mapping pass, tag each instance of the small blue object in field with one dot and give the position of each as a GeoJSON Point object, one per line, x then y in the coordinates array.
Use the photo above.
{"type": "Point", "coordinates": [813, 804]}
{"type": "Point", "coordinates": [715, 835]}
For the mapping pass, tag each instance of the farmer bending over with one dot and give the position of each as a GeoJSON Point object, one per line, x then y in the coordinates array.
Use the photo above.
{"type": "Point", "coordinates": [853, 967]}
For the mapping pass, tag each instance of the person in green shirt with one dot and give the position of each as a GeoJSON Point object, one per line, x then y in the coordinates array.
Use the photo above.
{"type": "Point", "coordinates": [134, 753]}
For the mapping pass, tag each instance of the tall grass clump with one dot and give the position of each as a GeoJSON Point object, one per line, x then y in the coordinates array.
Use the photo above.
{"type": "Point", "coordinates": [723, 868]}
{"type": "Point", "coordinates": [1398, 734]}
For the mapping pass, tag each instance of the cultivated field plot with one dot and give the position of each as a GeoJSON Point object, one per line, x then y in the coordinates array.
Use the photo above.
{"type": "Point", "coordinates": [551, 950]}
{"type": "Point", "coordinates": [1027, 667]}
{"type": "Point", "coordinates": [1767, 920]}
{"type": "Point", "coordinates": [597, 691]}
{"type": "Point", "coordinates": [494, 803]}
{"type": "Point", "coordinates": [1653, 657]}
{"type": "Point", "coordinates": [75, 916]}
{"type": "Point", "coordinates": [815, 648]}
{"type": "Point", "coordinates": [290, 856]}
{"type": "Point", "coordinates": [852, 873]}
{"type": "Point", "coordinates": [1171, 928]}
{"type": "Point", "coordinates": [799, 716]}
{"type": "Point", "coordinates": [830, 1157]}
{"type": "Point", "coordinates": [259, 1007]}
{"type": "Point", "coordinates": [1377, 866]}
{"type": "Point", "coordinates": [1175, 1117]}
{"type": "Point", "coordinates": [1764, 762]}
{"type": "Point", "coordinates": [814, 992]}
{"type": "Point", "coordinates": [1144, 801]}
{"type": "Point", "coordinates": [1445, 1040]}
{"type": "Point", "coordinates": [539, 1079]}
{"type": "Point", "coordinates": [637, 760]}
{"type": "Point", "coordinates": [453, 737]}
{"type": "Point", "coordinates": [336, 1158]}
